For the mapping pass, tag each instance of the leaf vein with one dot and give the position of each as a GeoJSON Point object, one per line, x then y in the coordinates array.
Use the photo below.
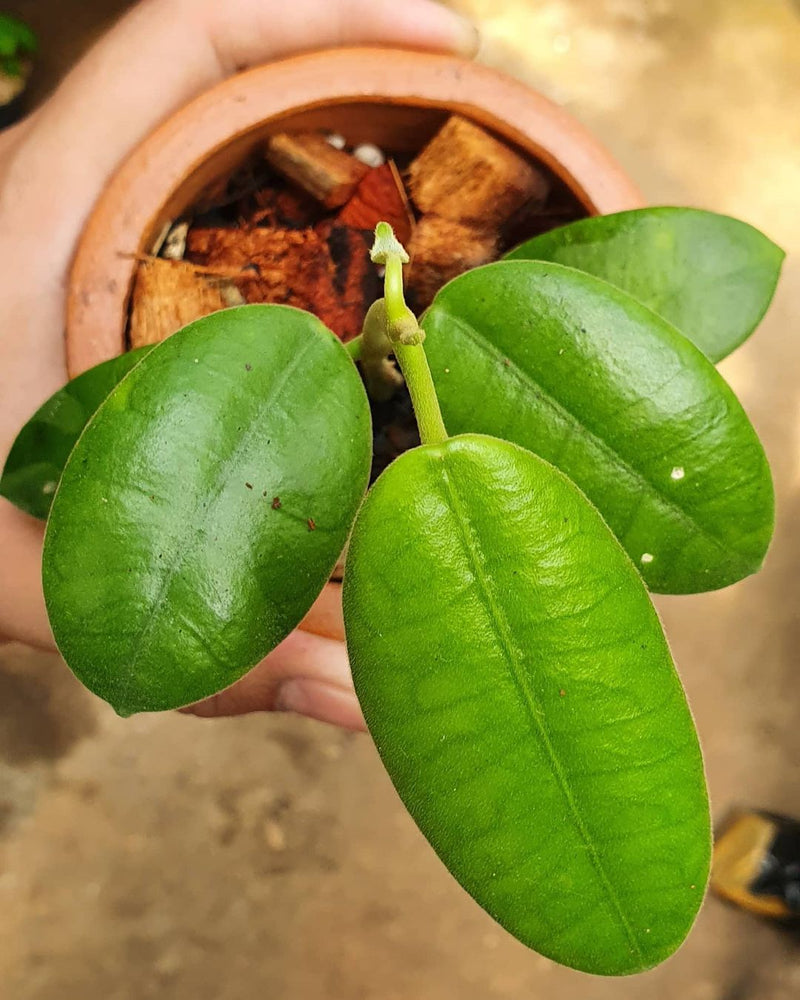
{"type": "Point", "coordinates": [513, 657]}
{"type": "Point", "coordinates": [185, 544]}
{"type": "Point", "coordinates": [638, 478]}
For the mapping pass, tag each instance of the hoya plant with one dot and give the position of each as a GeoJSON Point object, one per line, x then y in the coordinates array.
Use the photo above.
{"type": "Point", "coordinates": [579, 449]}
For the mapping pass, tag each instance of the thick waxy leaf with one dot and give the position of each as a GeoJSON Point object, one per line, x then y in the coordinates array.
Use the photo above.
{"type": "Point", "coordinates": [711, 276]}
{"type": "Point", "coordinates": [520, 691]}
{"type": "Point", "coordinates": [585, 376]}
{"type": "Point", "coordinates": [205, 505]}
{"type": "Point", "coordinates": [40, 452]}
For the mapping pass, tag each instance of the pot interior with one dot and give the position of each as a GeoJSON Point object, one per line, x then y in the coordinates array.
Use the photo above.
{"type": "Point", "coordinates": [401, 129]}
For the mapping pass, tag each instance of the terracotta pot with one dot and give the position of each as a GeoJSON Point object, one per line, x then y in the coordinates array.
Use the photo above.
{"type": "Point", "coordinates": [394, 98]}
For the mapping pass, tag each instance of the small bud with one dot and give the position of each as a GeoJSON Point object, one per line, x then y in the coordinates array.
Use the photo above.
{"type": "Point", "coordinates": [386, 244]}
{"type": "Point", "coordinates": [407, 331]}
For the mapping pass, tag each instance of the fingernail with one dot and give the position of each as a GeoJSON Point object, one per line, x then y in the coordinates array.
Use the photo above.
{"type": "Point", "coordinates": [469, 40]}
{"type": "Point", "coordinates": [318, 700]}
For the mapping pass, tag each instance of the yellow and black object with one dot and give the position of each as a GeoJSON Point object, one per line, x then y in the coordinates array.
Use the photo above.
{"type": "Point", "coordinates": [757, 864]}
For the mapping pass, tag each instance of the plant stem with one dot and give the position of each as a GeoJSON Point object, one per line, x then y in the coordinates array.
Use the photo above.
{"type": "Point", "coordinates": [353, 347]}
{"type": "Point", "coordinates": [414, 365]}
{"type": "Point", "coordinates": [403, 335]}
{"type": "Point", "coordinates": [396, 308]}
{"type": "Point", "coordinates": [380, 375]}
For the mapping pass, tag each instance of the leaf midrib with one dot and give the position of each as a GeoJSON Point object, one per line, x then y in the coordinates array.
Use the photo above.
{"type": "Point", "coordinates": [188, 539]}
{"type": "Point", "coordinates": [725, 546]}
{"type": "Point", "coordinates": [534, 710]}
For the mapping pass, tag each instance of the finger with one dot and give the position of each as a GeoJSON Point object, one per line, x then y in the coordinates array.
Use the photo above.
{"type": "Point", "coordinates": [22, 610]}
{"type": "Point", "coordinates": [163, 53]}
{"type": "Point", "coordinates": [306, 674]}
{"type": "Point", "coordinates": [414, 23]}
{"type": "Point", "coordinates": [325, 617]}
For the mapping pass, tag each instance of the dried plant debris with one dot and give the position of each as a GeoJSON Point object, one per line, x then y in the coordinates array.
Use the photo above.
{"type": "Point", "coordinates": [281, 205]}
{"type": "Point", "coordinates": [440, 250]}
{"type": "Point", "coordinates": [331, 277]}
{"type": "Point", "coordinates": [328, 174]}
{"type": "Point", "coordinates": [467, 175]}
{"type": "Point", "coordinates": [290, 226]}
{"type": "Point", "coordinates": [380, 197]}
{"type": "Point", "coordinates": [174, 247]}
{"type": "Point", "coordinates": [169, 294]}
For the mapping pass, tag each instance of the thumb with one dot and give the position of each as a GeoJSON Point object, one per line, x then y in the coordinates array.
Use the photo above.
{"type": "Point", "coordinates": [163, 53]}
{"type": "Point", "coordinates": [305, 673]}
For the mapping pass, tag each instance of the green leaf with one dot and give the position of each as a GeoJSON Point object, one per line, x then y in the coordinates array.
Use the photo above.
{"type": "Point", "coordinates": [520, 691]}
{"type": "Point", "coordinates": [11, 66]}
{"type": "Point", "coordinates": [711, 276]}
{"type": "Point", "coordinates": [38, 456]}
{"type": "Point", "coordinates": [16, 36]}
{"type": "Point", "coordinates": [592, 381]}
{"type": "Point", "coordinates": [205, 505]}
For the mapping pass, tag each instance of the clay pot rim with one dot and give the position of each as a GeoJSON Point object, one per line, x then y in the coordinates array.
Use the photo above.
{"type": "Point", "coordinates": [138, 195]}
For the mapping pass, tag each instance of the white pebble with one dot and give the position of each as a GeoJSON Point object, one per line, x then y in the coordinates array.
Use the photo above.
{"type": "Point", "coordinates": [647, 557]}
{"type": "Point", "coordinates": [369, 154]}
{"type": "Point", "coordinates": [336, 140]}
{"type": "Point", "coordinates": [677, 472]}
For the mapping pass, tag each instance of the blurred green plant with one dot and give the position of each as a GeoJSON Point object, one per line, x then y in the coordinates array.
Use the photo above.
{"type": "Point", "coordinates": [17, 41]}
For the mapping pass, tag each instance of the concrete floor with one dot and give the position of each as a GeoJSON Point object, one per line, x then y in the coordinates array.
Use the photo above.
{"type": "Point", "coordinates": [269, 857]}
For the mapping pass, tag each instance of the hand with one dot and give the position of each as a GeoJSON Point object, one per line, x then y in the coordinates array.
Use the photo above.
{"type": "Point", "coordinates": [52, 168]}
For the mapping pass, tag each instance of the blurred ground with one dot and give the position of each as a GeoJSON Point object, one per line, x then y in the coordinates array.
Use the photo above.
{"type": "Point", "coordinates": [268, 857]}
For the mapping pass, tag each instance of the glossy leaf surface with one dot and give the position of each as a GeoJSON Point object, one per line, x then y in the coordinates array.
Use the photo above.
{"type": "Point", "coordinates": [41, 449]}
{"type": "Point", "coordinates": [520, 691]}
{"type": "Point", "coordinates": [205, 505]}
{"type": "Point", "coordinates": [592, 381]}
{"type": "Point", "coordinates": [711, 276]}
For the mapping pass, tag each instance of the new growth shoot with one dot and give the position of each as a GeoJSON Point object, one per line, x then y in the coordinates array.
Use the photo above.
{"type": "Point", "coordinates": [390, 327]}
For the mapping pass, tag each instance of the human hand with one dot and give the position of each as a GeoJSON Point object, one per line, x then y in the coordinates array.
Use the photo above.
{"type": "Point", "coordinates": [54, 165]}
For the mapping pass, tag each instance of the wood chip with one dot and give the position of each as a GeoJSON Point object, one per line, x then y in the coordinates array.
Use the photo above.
{"type": "Point", "coordinates": [331, 277]}
{"type": "Point", "coordinates": [175, 243]}
{"type": "Point", "coordinates": [307, 158]}
{"type": "Point", "coordinates": [467, 175]}
{"type": "Point", "coordinates": [440, 250]}
{"type": "Point", "coordinates": [380, 197]}
{"type": "Point", "coordinates": [282, 206]}
{"type": "Point", "coordinates": [167, 295]}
